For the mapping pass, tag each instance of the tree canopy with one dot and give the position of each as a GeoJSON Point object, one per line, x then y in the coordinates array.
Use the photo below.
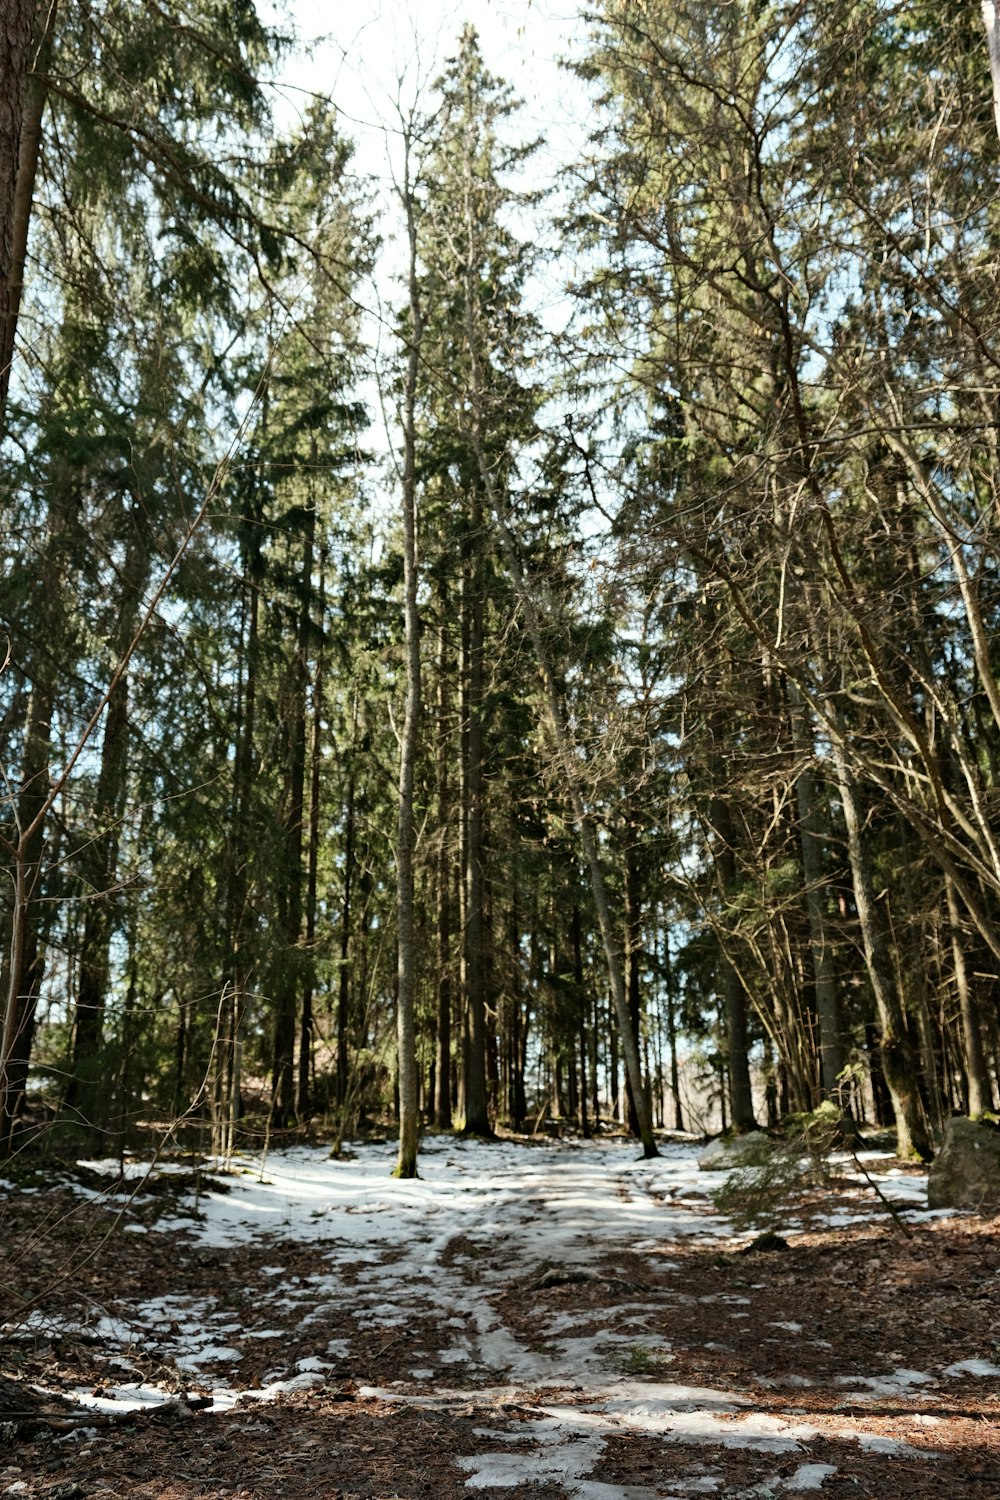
{"type": "Point", "coordinates": [477, 716]}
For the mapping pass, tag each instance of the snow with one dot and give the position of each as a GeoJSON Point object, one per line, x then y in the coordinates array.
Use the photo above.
{"type": "Point", "coordinates": [130, 1397]}
{"type": "Point", "coordinates": [390, 1253]}
{"type": "Point", "coordinates": [902, 1384]}
{"type": "Point", "coordinates": [984, 1368]}
{"type": "Point", "coordinates": [810, 1476]}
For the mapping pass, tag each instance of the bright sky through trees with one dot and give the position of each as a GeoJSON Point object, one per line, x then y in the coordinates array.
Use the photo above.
{"type": "Point", "coordinates": [368, 56]}
{"type": "Point", "coordinates": [381, 57]}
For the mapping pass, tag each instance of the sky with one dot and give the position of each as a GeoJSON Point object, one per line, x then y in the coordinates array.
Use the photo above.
{"type": "Point", "coordinates": [368, 54]}
{"type": "Point", "coordinates": [373, 55]}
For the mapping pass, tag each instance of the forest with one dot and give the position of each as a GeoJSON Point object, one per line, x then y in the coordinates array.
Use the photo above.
{"type": "Point", "coordinates": [480, 731]}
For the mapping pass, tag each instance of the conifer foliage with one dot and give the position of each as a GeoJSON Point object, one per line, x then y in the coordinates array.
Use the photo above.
{"type": "Point", "coordinates": [621, 745]}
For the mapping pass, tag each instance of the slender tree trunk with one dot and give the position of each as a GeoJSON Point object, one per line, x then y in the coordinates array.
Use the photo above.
{"type": "Point", "coordinates": [442, 1077]}
{"type": "Point", "coordinates": [633, 965]}
{"type": "Point", "coordinates": [344, 967]}
{"type": "Point", "coordinates": [24, 964]}
{"type": "Point", "coordinates": [734, 995]}
{"type": "Point", "coordinates": [406, 1067]}
{"type": "Point", "coordinates": [581, 1008]}
{"type": "Point", "coordinates": [980, 1094]}
{"type": "Point", "coordinates": [675, 1077]}
{"type": "Point", "coordinates": [595, 1058]}
{"type": "Point", "coordinates": [898, 1062]}
{"type": "Point", "coordinates": [294, 714]}
{"type": "Point", "coordinates": [85, 1092]}
{"type": "Point", "coordinates": [225, 1083]}
{"type": "Point", "coordinates": [180, 1052]}
{"type": "Point", "coordinates": [473, 976]}
{"type": "Point", "coordinates": [302, 1087]}
{"type": "Point", "coordinates": [991, 20]}
{"type": "Point", "coordinates": [832, 1048]}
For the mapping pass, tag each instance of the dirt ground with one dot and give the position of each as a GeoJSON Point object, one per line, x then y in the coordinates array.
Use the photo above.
{"type": "Point", "coordinates": [795, 1333]}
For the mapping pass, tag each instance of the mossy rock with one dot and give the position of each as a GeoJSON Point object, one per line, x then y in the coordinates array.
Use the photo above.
{"type": "Point", "coordinates": [966, 1171]}
{"type": "Point", "coordinates": [727, 1152]}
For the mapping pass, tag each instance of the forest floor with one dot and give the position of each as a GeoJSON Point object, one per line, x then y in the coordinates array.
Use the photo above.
{"type": "Point", "coordinates": [557, 1319]}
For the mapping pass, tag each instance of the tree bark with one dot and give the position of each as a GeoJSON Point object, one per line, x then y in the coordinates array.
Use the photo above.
{"type": "Point", "coordinates": [991, 20]}
{"type": "Point", "coordinates": [477, 1121]}
{"type": "Point", "coordinates": [303, 1102]}
{"type": "Point", "coordinates": [733, 993]}
{"type": "Point", "coordinates": [21, 104]}
{"type": "Point", "coordinates": [442, 1069]}
{"type": "Point", "coordinates": [898, 1063]}
{"type": "Point", "coordinates": [294, 715]}
{"type": "Point", "coordinates": [832, 1048]}
{"type": "Point", "coordinates": [24, 963]}
{"type": "Point", "coordinates": [980, 1093]}
{"type": "Point", "coordinates": [581, 1007]}
{"type": "Point", "coordinates": [344, 970]}
{"type": "Point", "coordinates": [406, 1067]}
{"type": "Point", "coordinates": [226, 1057]}
{"type": "Point", "coordinates": [675, 1077]}
{"type": "Point", "coordinates": [85, 1093]}
{"type": "Point", "coordinates": [633, 964]}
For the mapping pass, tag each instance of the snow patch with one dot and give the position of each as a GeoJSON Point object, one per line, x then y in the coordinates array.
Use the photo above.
{"type": "Point", "coordinates": [985, 1369]}
{"type": "Point", "coordinates": [518, 1214]}
{"type": "Point", "coordinates": [810, 1476]}
{"type": "Point", "coordinates": [901, 1384]}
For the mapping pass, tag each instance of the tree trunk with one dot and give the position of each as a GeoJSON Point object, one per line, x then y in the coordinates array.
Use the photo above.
{"type": "Point", "coordinates": [734, 995]}
{"type": "Point", "coordinates": [24, 964]}
{"type": "Point", "coordinates": [344, 969]}
{"type": "Point", "coordinates": [303, 1102]}
{"type": "Point", "coordinates": [225, 1080]}
{"type": "Point", "coordinates": [85, 1093]}
{"type": "Point", "coordinates": [406, 1063]}
{"type": "Point", "coordinates": [633, 965]}
{"type": "Point", "coordinates": [832, 1048]}
{"type": "Point", "coordinates": [294, 716]}
{"type": "Point", "coordinates": [477, 1120]}
{"type": "Point", "coordinates": [980, 1093]}
{"type": "Point", "coordinates": [442, 1073]}
{"type": "Point", "coordinates": [21, 103]}
{"type": "Point", "coordinates": [898, 1062]}
{"type": "Point", "coordinates": [675, 1078]}
{"type": "Point", "coordinates": [581, 1005]}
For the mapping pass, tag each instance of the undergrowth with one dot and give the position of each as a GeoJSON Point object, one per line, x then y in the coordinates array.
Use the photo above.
{"type": "Point", "coordinates": [774, 1172]}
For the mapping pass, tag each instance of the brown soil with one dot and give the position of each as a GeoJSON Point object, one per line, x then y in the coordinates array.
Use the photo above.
{"type": "Point", "coordinates": [867, 1302]}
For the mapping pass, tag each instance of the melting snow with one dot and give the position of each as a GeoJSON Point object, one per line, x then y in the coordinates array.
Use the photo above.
{"type": "Point", "coordinates": [544, 1207]}
{"type": "Point", "coordinates": [810, 1476]}
{"type": "Point", "coordinates": [982, 1367]}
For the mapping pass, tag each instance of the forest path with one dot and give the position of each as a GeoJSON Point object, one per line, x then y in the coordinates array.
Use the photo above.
{"type": "Point", "coordinates": [547, 1320]}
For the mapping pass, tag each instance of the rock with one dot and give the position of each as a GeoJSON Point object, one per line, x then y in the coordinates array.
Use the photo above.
{"type": "Point", "coordinates": [726, 1152]}
{"type": "Point", "coordinates": [966, 1171]}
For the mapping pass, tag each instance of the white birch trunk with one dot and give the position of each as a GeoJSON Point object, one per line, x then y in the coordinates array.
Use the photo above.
{"type": "Point", "coordinates": [991, 20]}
